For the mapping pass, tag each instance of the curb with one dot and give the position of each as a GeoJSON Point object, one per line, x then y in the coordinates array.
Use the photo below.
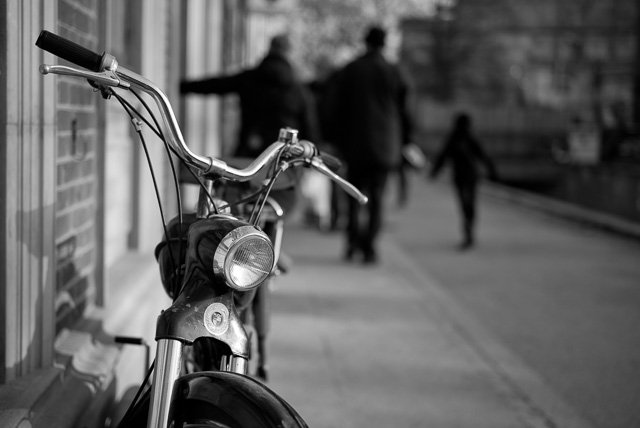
{"type": "Point", "coordinates": [562, 209]}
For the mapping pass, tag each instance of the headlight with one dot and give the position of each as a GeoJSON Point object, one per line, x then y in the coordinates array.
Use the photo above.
{"type": "Point", "coordinates": [244, 258]}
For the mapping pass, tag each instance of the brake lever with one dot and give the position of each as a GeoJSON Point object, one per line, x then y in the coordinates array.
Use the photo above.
{"type": "Point", "coordinates": [346, 186]}
{"type": "Point", "coordinates": [107, 77]}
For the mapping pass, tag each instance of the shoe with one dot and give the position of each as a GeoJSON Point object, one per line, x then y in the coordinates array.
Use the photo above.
{"type": "Point", "coordinates": [466, 244]}
{"type": "Point", "coordinates": [370, 258]}
{"type": "Point", "coordinates": [350, 254]}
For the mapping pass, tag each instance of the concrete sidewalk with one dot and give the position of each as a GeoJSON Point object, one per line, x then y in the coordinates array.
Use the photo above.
{"type": "Point", "coordinates": [387, 346]}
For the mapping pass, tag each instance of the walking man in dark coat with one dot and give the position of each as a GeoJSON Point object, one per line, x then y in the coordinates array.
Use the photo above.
{"type": "Point", "coordinates": [373, 124]}
{"type": "Point", "coordinates": [271, 97]}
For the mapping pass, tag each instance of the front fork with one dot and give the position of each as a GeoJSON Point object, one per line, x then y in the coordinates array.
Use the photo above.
{"type": "Point", "coordinates": [168, 370]}
{"type": "Point", "coordinates": [218, 320]}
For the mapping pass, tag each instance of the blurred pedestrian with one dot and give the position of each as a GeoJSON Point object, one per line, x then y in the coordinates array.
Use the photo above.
{"type": "Point", "coordinates": [464, 152]}
{"type": "Point", "coordinates": [372, 125]}
{"type": "Point", "coordinates": [271, 97]}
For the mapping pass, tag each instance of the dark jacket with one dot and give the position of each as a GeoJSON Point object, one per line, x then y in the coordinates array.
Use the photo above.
{"type": "Point", "coordinates": [371, 116]}
{"type": "Point", "coordinates": [271, 98]}
{"type": "Point", "coordinates": [464, 152]}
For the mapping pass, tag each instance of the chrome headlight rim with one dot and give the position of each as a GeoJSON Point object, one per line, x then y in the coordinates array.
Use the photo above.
{"type": "Point", "coordinates": [229, 245]}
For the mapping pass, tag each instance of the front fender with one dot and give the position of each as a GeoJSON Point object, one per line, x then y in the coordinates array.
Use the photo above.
{"type": "Point", "coordinates": [231, 399]}
{"type": "Point", "coordinates": [223, 399]}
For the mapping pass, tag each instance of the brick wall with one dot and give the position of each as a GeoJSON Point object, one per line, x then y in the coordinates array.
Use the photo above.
{"type": "Point", "coordinates": [77, 173]}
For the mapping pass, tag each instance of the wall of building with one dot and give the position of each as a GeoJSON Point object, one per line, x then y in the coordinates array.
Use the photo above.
{"type": "Point", "coordinates": [556, 54]}
{"type": "Point", "coordinates": [27, 193]}
{"type": "Point", "coordinates": [69, 155]}
{"type": "Point", "coordinates": [78, 214]}
{"type": "Point", "coordinates": [77, 173]}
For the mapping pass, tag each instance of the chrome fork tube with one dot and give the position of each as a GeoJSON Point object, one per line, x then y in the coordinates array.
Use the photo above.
{"type": "Point", "coordinates": [167, 371]}
{"type": "Point", "coordinates": [234, 364]}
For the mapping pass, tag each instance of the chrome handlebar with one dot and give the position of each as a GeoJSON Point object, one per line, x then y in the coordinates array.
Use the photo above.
{"type": "Point", "coordinates": [311, 156]}
{"type": "Point", "coordinates": [344, 184]}
{"type": "Point", "coordinates": [120, 77]}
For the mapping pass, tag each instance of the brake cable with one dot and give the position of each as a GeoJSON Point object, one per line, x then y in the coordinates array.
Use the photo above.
{"type": "Point", "coordinates": [137, 125]}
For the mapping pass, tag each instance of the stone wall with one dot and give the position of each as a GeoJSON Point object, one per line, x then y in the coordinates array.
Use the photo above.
{"type": "Point", "coordinates": [77, 173]}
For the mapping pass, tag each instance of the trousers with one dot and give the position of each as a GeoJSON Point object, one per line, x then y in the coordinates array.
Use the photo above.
{"type": "Point", "coordinates": [365, 223]}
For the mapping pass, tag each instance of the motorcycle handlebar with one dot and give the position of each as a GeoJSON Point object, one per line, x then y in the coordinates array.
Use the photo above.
{"type": "Point", "coordinates": [106, 71]}
{"type": "Point", "coordinates": [70, 51]}
{"type": "Point", "coordinates": [352, 190]}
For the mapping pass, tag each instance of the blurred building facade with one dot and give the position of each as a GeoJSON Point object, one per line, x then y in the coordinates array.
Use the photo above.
{"type": "Point", "coordinates": [562, 54]}
{"type": "Point", "coordinates": [79, 215]}
{"type": "Point", "coordinates": [552, 86]}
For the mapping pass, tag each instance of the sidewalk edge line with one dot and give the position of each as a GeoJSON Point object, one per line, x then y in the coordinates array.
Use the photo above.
{"type": "Point", "coordinates": [569, 211]}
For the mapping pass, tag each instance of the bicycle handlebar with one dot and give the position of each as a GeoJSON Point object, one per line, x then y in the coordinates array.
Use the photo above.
{"type": "Point", "coordinates": [70, 51]}
{"type": "Point", "coordinates": [106, 71]}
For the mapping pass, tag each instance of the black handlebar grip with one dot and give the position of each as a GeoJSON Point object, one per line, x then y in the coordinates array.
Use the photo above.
{"type": "Point", "coordinates": [68, 50]}
{"type": "Point", "coordinates": [332, 162]}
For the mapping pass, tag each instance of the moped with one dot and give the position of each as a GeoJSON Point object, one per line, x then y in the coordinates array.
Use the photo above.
{"type": "Point", "coordinates": [211, 263]}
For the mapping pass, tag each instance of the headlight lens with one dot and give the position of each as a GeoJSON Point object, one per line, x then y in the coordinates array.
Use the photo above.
{"type": "Point", "coordinates": [244, 258]}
